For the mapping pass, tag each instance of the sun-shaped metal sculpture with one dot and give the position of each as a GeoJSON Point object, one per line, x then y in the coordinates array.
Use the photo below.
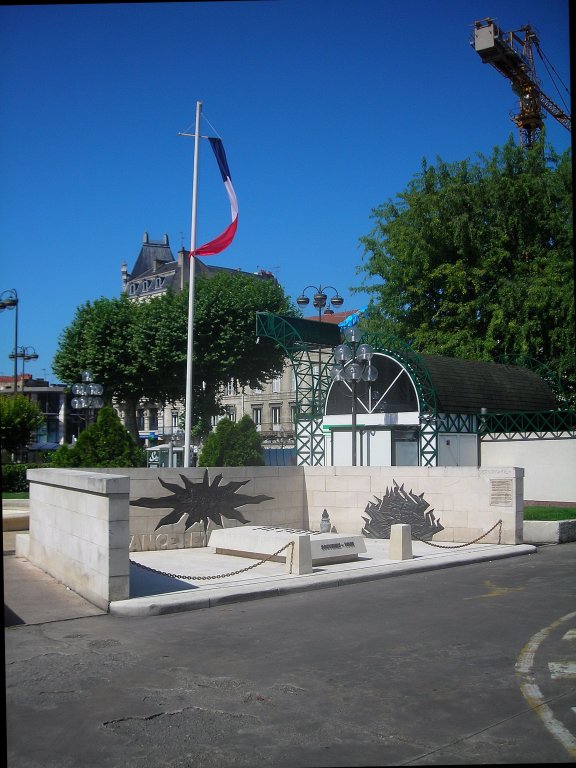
{"type": "Point", "coordinates": [201, 501]}
{"type": "Point", "coordinates": [398, 506]}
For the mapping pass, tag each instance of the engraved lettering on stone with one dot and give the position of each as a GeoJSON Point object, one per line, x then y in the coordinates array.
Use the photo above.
{"type": "Point", "coordinates": [501, 493]}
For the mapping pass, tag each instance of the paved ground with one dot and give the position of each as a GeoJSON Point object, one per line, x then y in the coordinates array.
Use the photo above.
{"type": "Point", "coordinates": [30, 596]}
{"type": "Point", "coordinates": [460, 665]}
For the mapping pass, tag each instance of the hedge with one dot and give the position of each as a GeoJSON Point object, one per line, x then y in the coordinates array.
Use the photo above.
{"type": "Point", "coordinates": [14, 477]}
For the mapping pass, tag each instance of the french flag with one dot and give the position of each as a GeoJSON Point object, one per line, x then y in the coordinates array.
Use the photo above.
{"type": "Point", "coordinates": [222, 241]}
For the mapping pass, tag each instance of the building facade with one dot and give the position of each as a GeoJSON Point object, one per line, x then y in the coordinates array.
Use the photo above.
{"type": "Point", "coordinates": [156, 271]}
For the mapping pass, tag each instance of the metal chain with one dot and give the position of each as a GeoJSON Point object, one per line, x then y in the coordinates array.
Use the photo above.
{"type": "Point", "coordinates": [291, 544]}
{"type": "Point", "coordinates": [220, 575]}
{"type": "Point", "coordinates": [459, 546]}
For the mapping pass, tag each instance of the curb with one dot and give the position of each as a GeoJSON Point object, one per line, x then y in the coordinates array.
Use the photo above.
{"type": "Point", "coordinates": [549, 531]}
{"type": "Point", "coordinates": [158, 605]}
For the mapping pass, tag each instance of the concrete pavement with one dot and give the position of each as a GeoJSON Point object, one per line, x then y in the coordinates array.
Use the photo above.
{"type": "Point", "coordinates": [168, 581]}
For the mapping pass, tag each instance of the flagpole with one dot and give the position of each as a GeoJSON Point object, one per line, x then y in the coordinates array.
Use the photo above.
{"type": "Point", "coordinates": [190, 348]}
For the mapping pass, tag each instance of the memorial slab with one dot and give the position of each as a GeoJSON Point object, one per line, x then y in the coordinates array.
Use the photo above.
{"type": "Point", "coordinates": [259, 541]}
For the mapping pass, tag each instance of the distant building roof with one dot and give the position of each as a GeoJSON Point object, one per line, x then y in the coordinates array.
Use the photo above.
{"type": "Point", "coordinates": [156, 270]}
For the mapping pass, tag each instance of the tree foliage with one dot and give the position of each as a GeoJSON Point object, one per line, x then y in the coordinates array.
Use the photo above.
{"type": "Point", "coordinates": [137, 350]}
{"type": "Point", "coordinates": [106, 443]}
{"type": "Point", "coordinates": [232, 445]}
{"type": "Point", "coordinates": [19, 418]}
{"type": "Point", "coordinates": [475, 260]}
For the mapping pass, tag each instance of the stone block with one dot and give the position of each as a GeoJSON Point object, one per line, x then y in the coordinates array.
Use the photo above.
{"type": "Point", "coordinates": [400, 547]}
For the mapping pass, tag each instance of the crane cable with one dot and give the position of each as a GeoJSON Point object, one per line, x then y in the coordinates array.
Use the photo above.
{"type": "Point", "coordinates": [547, 62]}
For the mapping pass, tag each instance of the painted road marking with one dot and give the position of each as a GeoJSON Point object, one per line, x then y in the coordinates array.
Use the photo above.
{"type": "Point", "coordinates": [532, 692]}
{"type": "Point", "coordinates": [495, 591]}
{"type": "Point", "coordinates": [562, 669]}
{"type": "Point", "coordinates": [570, 635]}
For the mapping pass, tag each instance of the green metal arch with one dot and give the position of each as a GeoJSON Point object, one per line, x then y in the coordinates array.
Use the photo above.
{"type": "Point", "coordinates": [404, 354]}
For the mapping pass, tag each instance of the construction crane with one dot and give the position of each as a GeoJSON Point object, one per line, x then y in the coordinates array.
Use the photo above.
{"type": "Point", "coordinates": [513, 56]}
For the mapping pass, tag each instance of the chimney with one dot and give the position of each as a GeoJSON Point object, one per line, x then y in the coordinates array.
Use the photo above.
{"type": "Point", "coordinates": [166, 240]}
{"type": "Point", "coordinates": [184, 267]}
{"type": "Point", "coordinates": [145, 239]}
{"type": "Point", "coordinates": [124, 276]}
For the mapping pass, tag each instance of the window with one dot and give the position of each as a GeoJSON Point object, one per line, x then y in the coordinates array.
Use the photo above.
{"type": "Point", "coordinates": [174, 419]}
{"type": "Point", "coordinates": [275, 411]}
{"type": "Point", "coordinates": [140, 418]}
{"type": "Point", "coordinates": [276, 384]}
{"type": "Point", "coordinates": [257, 415]}
{"type": "Point", "coordinates": [146, 285]}
{"type": "Point", "coordinates": [230, 388]}
{"type": "Point", "coordinates": [133, 288]}
{"type": "Point", "coordinates": [159, 282]}
{"type": "Point", "coordinates": [231, 412]}
{"type": "Point", "coordinates": [153, 418]}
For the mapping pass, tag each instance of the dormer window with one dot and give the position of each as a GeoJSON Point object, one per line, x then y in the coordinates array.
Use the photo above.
{"type": "Point", "coordinates": [159, 282]}
{"type": "Point", "coordinates": [146, 285]}
{"type": "Point", "coordinates": [133, 288]}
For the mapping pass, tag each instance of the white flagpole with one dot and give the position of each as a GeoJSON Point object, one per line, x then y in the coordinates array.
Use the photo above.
{"type": "Point", "coordinates": [190, 349]}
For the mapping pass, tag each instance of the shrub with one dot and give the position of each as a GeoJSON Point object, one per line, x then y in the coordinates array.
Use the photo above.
{"type": "Point", "coordinates": [14, 477]}
{"type": "Point", "coordinates": [107, 443]}
{"type": "Point", "coordinates": [232, 445]}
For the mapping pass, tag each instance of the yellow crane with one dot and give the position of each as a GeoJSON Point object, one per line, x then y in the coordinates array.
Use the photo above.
{"type": "Point", "coordinates": [512, 54]}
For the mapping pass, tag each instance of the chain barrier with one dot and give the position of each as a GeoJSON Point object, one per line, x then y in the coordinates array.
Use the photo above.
{"type": "Point", "coordinates": [291, 544]}
{"type": "Point", "coordinates": [220, 575]}
{"type": "Point", "coordinates": [459, 546]}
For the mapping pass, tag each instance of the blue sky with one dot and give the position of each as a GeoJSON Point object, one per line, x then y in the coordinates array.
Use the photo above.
{"type": "Point", "coordinates": [325, 108]}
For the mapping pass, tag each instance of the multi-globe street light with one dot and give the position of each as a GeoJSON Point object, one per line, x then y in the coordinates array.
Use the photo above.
{"type": "Point", "coordinates": [87, 395]}
{"type": "Point", "coordinates": [353, 365]}
{"type": "Point", "coordinates": [9, 300]}
{"type": "Point", "coordinates": [320, 299]}
{"type": "Point", "coordinates": [24, 354]}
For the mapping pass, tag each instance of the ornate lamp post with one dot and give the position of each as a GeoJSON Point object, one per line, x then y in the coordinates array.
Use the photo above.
{"type": "Point", "coordinates": [22, 353]}
{"type": "Point", "coordinates": [352, 365]}
{"type": "Point", "coordinates": [320, 299]}
{"type": "Point", "coordinates": [9, 300]}
{"type": "Point", "coordinates": [87, 395]}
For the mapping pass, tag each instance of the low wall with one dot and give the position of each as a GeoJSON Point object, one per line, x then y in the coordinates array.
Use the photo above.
{"type": "Point", "coordinates": [467, 501]}
{"type": "Point", "coordinates": [79, 531]}
{"type": "Point", "coordinates": [203, 490]}
{"type": "Point", "coordinates": [83, 523]}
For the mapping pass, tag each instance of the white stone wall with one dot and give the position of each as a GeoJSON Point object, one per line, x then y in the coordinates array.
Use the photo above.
{"type": "Point", "coordinates": [467, 501]}
{"type": "Point", "coordinates": [285, 509]}
{"type": "Point", "coordinates": [82, 525]}
{"type": "Point", "coordinates": [78, 532]}
{"type": "Point", "coordinates": [549, 465]}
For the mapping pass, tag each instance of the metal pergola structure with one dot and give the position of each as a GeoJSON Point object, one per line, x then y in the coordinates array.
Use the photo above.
{"type": "Point", "coordinates": [303, 342]}
{"type": "Point", "coordinates": [309, 344]}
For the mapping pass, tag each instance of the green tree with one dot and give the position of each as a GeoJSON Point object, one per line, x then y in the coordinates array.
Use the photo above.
{"type": "Point", "coordinates": [137, 350]}
{"type": "Point", "coordinates": [106, 443]}
{"type": "Point", "coordinates": [19, 418]}
{"type": "Point", "coordinates": [475, 260]}
{"type": "Point", "coordinates": [232, 445]}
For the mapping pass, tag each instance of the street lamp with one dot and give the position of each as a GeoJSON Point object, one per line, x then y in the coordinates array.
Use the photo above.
{"type": "Point", "coordinates": [9, 300]}
{"type": "Point", "coordinates": [320, 299]}
{"type": "Point", "coordinates": [23, 353]}
{"type": "Point", "coordinates": [352, 365]}
{"type": "Point", "coordinates": [87, 395]}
